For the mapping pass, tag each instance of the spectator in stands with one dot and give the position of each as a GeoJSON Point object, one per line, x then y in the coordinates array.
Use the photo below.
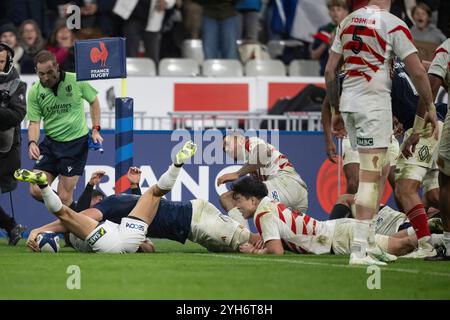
{"type": "Point", "coordinates": [192, 19]}
{"type": "Point", "coordinates": [402, 9]}
{"type": "Point", "coordinates": [444, 17]}
{"type": "Point", "coordinates": [309, 16]}
{"type": "Point", "coordinates": [30, 38]}
{"type": "Point", "coordinates": [5, 16]}
{"type": "Point", "coordinates": [220, 29]}
{"type": "Point", "coordinates": [143, 20]}
{"type": "Point", "coordinates": [323, 39]}
{"type": "Point", "coordinates": [423, 30]}
{"type": "Point", "coordinates": [249, 11]}
{"type": "Point", "coordinates": [61, 44]}
{"type": "Point", "coordinates": [172, 32]}
{"type": "Point", "coordinates": [94, 14]}
{"type": "Point", "coordinates": [20, 11]}
{"type": "Point", "coordinates": [22, 61]}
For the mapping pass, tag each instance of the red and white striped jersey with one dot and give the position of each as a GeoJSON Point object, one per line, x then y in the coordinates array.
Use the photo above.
{"type": "Point", "coordinates": [440, 66]}
{"type": "Point", "coordinates": [275, 165]}
{"type": "Point", "coordinates": [368, 39]}
{"type": "Point", "coordinates": [297, 231]}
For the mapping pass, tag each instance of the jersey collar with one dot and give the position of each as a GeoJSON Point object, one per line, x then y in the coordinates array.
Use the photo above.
{"type": "Point", "coordinates": [62, 76]}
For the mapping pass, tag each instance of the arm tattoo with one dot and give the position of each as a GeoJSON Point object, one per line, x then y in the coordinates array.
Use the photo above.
{"type": "Point", "coordinates": [333, 91]}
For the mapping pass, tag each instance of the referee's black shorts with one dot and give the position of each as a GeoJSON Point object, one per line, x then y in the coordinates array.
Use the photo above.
{"type": "Point", "coordinates": [63, 158]}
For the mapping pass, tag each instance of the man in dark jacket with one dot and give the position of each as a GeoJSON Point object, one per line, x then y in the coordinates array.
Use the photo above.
{"type": "Point", "coordinates": [12, 112]}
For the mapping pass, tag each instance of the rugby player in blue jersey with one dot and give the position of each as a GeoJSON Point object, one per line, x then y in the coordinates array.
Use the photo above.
{"type": "Point", "coordinates": [196, 220]}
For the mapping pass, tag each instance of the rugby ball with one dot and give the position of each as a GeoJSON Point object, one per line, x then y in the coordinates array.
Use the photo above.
{"type": "Point", "coordinates": [48, 242]}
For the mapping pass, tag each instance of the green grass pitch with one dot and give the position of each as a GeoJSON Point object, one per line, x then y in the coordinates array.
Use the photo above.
{"type": "Point", "coordinates": [189, 272]}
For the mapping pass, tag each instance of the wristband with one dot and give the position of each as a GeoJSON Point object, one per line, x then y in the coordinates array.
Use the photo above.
{"type": "Point", "coordinates": [333, 110]}
{"type": "Point", "coordinates": [419, 125]}
{"type": "Point", "coordinates": [431, 108]}
{"type": "Point", "coordinates": [30, 142]}
{"type": "Point", "coordinates": [98, 128]}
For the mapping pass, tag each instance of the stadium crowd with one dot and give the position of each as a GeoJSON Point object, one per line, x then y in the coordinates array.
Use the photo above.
{"type": "Point", "coordinates": [156, 29]}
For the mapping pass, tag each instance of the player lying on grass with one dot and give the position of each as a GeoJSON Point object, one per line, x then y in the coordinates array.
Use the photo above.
{"type": "Point", "coordinates": [196, 220]}
{"type": "Point", "coordinates": [108, 236]}
{"type": "Point", "coordinates": [389, 222]}
{"type": "Point", "coordinates": [281, 228]}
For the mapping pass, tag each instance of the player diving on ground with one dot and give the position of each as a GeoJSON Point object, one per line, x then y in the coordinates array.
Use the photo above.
{"type": "Point", "coordinates": [196, 220]}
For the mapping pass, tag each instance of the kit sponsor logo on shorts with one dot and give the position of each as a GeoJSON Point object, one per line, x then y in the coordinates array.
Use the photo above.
{"type": "Point", "coordinates": [97, 235]}
{"type": "Point", "coordinates": [365, 142]}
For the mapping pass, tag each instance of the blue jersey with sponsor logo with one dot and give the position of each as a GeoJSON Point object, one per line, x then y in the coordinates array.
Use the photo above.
{"type": "Point", "coordinates": [405, 97]}
{"type": "Point", "coordinates": [172, 220]}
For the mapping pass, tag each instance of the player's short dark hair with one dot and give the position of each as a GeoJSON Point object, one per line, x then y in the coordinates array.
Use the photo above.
{"type": "Point", "coordinates": [97, 193]}
{"type": "Point", "coordinates": [44, 56]}
{"type": "Point", "coordinates": [250, 187]}
{"type": "Point", "coordinates": [424, 7]}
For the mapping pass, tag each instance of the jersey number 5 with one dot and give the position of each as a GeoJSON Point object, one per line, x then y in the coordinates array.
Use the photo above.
{"type": "Point", "coordinates": [357, 43]}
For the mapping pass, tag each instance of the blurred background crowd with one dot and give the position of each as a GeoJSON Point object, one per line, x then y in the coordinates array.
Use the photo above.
{"type": "Point", "coordinates": [157, 28]}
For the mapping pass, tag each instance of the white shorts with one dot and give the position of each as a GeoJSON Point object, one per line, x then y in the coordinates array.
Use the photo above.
{"type": "Point", "coordinates": [368, 130]}
{"type": "Point", "coordinates": [388, 221]}
{"type": "Point", "coordinates": [289, 191]}
{"type": "Point", "coordinates": [422, 166]}
{"type": "Point", "coordinates": [444, 147]}
{"type": "Point", "coordinates": [343, 236]}
{"type": "Point", "coordinates": [214, 230]}
{"type": "Point", "coordinates": [111, 237]}
{"type": "Point", "coordinates": [352, 156]}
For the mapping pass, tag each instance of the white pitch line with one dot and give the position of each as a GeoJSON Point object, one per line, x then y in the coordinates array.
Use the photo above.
{"type": "Point", "coordinates": [345, 266]}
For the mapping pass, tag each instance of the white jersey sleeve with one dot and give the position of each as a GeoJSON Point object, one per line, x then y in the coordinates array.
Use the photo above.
{"type": "Point", "coordinates": [402, 40]}
{"type": "Point", "coordinates": [441, 63]}
{"type": "Point", "coordinates": [267, 225]}
{"type": "Point", "coordinates": [337, 43]}
{"type": "Point", "coordinates": [260, 153]}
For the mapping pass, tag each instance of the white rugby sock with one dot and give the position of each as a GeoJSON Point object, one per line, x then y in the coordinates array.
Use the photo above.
{"type": "Point", "coordinates": [168, 179]}
{"type": "Point", "coordinates": [51, 200]}
{"type": "Point", "coordinates": [360, 236]}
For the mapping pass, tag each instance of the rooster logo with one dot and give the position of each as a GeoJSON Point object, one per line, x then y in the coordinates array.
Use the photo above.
{"type": "Point", "coordinates": [99, 55]}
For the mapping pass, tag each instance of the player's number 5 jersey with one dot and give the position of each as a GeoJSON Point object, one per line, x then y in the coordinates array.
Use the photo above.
{"type": "Point", "coordinates": [368, 39]}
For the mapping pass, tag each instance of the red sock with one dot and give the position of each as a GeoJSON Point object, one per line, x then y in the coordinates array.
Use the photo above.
{"type": "Point", "coordinates": [418, 218]}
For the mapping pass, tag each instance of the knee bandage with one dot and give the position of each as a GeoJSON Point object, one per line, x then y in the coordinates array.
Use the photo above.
{"type": "Point", "coordinates": [374, 162]}
{"type": "Point", "coordinates": [368, 191]}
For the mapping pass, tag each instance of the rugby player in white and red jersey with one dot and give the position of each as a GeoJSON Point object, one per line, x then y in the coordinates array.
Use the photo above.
{"type": "Point", "coordinates": [439, 75]}
{"type": "Point", "coordinates": [267, 164]}
{"type": "Point", "coordinates": [366, 41]}
{"type": "Point", "coordinates": [284, 229]}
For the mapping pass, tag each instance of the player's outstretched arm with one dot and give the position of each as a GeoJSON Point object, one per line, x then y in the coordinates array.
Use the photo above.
{"type": "Point", "coordinates": [55, 226]}
{"type": "Point", "coordinates": [270, 247]}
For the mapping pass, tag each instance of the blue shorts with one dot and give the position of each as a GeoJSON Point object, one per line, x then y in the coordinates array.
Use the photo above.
{"type": "Point", "coordinates": [63, 158]}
